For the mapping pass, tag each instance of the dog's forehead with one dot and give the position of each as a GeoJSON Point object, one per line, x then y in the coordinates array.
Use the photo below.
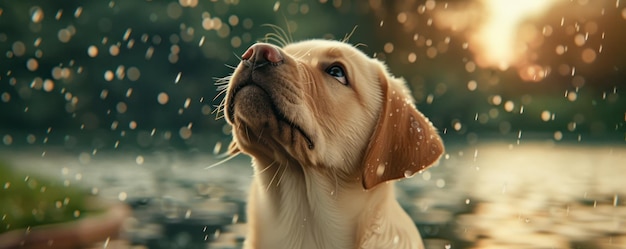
{"type": "Point", "coordinates": [323, 48]}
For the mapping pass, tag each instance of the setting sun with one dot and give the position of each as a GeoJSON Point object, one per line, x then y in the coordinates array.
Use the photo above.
{"type": "Point", "coordinates": [497, 37]}
{"type": "Point", "coordinates": [494, 29]}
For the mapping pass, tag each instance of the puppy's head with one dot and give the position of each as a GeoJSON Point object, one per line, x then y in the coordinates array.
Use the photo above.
{"type": "Point", "coordinates": [327, 106]}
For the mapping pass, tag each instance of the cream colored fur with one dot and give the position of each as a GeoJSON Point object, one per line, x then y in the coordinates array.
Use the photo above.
{"type": "Point", "coordinates": [325, 154]}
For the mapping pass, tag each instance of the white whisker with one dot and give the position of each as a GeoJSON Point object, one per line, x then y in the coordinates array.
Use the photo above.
{"type": "Point", "coordinates": [223, 160]}
{"type": "Point", "coordinates": [260, 134]}
{"type": "Point", "coordinates": [265, 169]}
{"type": "Point", "coordinates": [247, 133]}
{"type": "Point", "coordinates": [281, 175]}
{"type": "Point", "coordinates": [273, 177]}
{"type": "Point", "coordinates": [299, 56]}
{"type": "Point", "coordinates": [347, 36]}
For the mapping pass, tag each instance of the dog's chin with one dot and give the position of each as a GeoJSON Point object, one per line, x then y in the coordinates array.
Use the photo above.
{"type": "Point", "coordinates": [259, 123]}
{"type": "Point", "coordinates": [252, 106]}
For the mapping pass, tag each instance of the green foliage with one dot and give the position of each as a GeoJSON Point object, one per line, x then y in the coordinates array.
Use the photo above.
{"type": "Point", "coordinates": [27, 200]}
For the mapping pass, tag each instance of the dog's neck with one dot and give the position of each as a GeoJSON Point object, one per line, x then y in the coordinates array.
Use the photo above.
{"type": "Point", "coordinates": [311, 207]}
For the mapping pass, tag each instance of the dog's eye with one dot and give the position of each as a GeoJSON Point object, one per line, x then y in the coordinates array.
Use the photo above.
{"type": "Point", "coordinates": [338, 73]}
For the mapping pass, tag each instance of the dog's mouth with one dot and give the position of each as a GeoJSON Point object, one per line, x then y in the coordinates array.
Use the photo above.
{"type": "Point", "coordinates": [276, 111]}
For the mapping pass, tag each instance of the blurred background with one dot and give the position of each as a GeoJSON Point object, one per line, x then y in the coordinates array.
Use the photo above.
{"type": "Point", "coordinates": [123, 94]}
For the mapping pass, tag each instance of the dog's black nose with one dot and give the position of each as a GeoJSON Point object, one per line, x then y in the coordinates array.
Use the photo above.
{"type": "Point", "coordinates": [262, 53]}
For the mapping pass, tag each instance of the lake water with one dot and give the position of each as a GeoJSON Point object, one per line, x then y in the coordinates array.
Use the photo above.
{"type": "Point", "coordinates": [492, 195]}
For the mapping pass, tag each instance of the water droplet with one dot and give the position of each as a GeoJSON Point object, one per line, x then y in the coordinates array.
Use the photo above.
{"type": "Point", "coordinates": [127, 34]}
{"type": "Point", "coordinates": [108, 75]}
{"type": "Point", "coordinates": [184, 133]}
{"type": "Point", "coordinates": [122, 196]}
{"type": "Point", "coordinates": [558, 135]}
{"type": "Point", "coordinates": [92, 51]}
{"type": "Point", "coordinates": [114, 50]}
{"type": "Point", "coordinates": [276, 6]}
{"type": "Point", "coordinates": [78, 12]}
{"type": "Point", "coordinates": [48, 85]}
{"type": "Point", "coordinates": [380, 170]}
{"type": "Point", "coordinates": [178, 78]}
{"type": "Point", "coordinates": [7, 139]}
{"type": "Point", "coordinates": [440, 183]}
{"type": "Point", "coordinates": [588, 55]}
{"type": "Point", "coordinates": [235, 219]}
{"type": "Point", "coordinates": [64, 35]}
{"type": "Point", "coordinates": [120, 72]}
{"type": "Point", "coordinates": [545, 115]}
{"type": "Point", "coordinates": [163, 98]}
{"type": "Point", "coordinates": [32, 64]}
{"type": "Point", "coordinates": [133, 73]}
{"type": "Point", "coordinates": [426, 176]}
{"type": "Point", "coordinates": [121, 107]}
{"type": "Point", "coordinates": [201, 42]}
{"type": "Point", "coordinates": [36, 14]}
{"type": "Point", "coordinates": [388, 47]}
{"type": "Point", "coordinates": [408, 174]}
{"type": "Point", "coordinates": [472, 85]}
{"type": "Point", "coordinates": [456, 124]}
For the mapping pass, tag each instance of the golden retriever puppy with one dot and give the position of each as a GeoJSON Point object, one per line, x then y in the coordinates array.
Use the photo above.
{"type": "Point", "coordinates": [328, 129]}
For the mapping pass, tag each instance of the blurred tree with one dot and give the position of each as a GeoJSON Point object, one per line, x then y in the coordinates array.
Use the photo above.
{"type": "Point", "coordinates": [99, 71]}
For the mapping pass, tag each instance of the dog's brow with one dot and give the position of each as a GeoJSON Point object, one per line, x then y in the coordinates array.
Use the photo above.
{"type": "Point", "coordinates": [334, 53]}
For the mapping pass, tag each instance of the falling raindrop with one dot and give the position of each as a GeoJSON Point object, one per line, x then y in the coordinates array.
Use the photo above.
{"type": "Point", "coordinates": [276, 6]}
{"type": "Point", "coordinates": [184, 132]}
{"type": "Point", "coordinates": [178, 78]}
{"type": "Point", "coordinates": [36, 14]}
{"type": "Point", "coordinates": [78, 12]}
{"type": "Point", "coordinates": [440, 183]}
{"type": "Point", "coordinates": [558, 135]}
{"type": "Point", "coordinates": [108, 75]}
{"type": "Point", "coordinates": [545, 115]}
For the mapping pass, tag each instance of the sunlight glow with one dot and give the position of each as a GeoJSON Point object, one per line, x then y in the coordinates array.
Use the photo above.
{"type": "Point", "coordinates": [498, 34]}
{"type": "Point", "coordinates": [495, 29]}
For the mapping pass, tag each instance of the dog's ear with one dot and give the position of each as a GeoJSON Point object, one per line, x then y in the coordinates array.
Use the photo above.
{"type": "Point", "coordinates": [404, 141]}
